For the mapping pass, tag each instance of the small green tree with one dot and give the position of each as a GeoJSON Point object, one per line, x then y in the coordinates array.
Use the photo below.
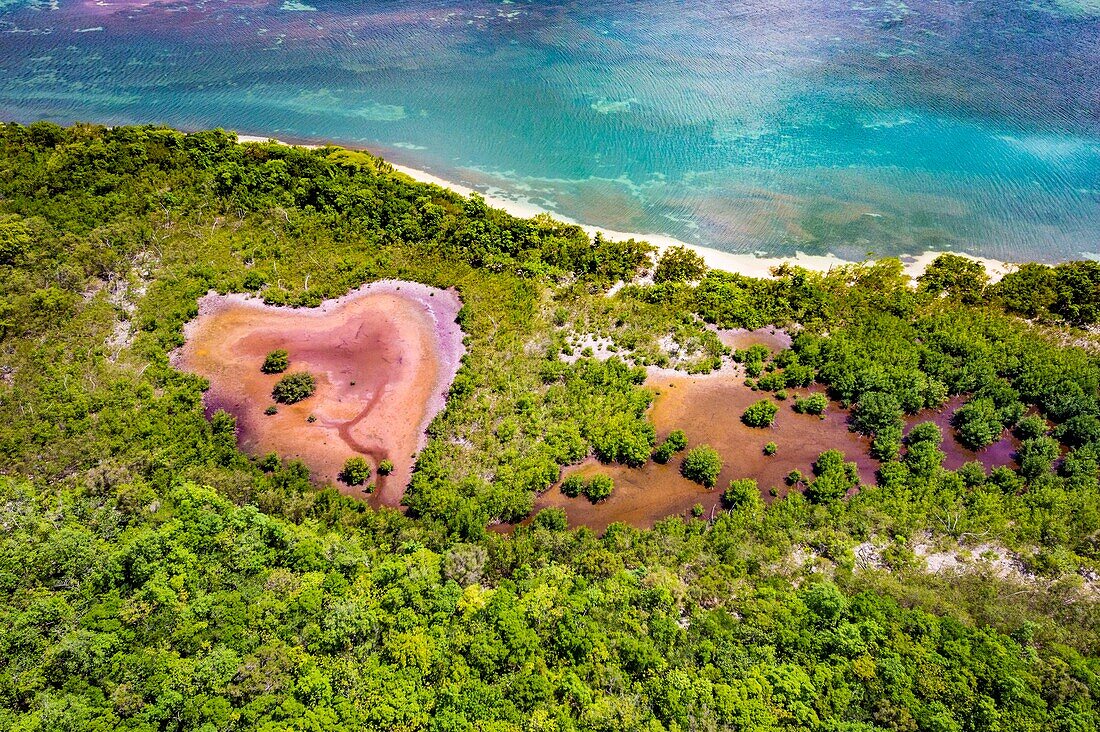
{"type": "Point", "coordinates": [552, 519]}
{"type": "Point", "coordinates": [677, 439]}
{"type": "Point", "coordinates": [813, 404]}
{"type": "Point", "coordinates": [1031, 426]}
{"type": "Point", "coordinates": [702, 464]}
{"type": "Point", "coordinates": [674, 443]}
{"type": "Point", "coordinates": [276, 362]}
{"type": "Point", "coordinates": [835, 477]}
{"type": "Point", "coordinates": [679, 264]}
{"type": "Point", "coordinates": [599, 488]}
{"type": "Point", "coordinates": [978, 423]}
{"type": "Point", "coordinates": [572, 486]}
{"type": "Point", "coordinates": [770, 448]}
{"type": "Point", "coordinates": [385, 467]}
{"type": "Point", "coordinates": [956, 277]}
{"type": "Point", "coordinates": [294, 387]}
{"type": "Point", "coordinates": [356, 471]}
{"type": "Point", "coordinates": [742, 493]}
{"type": "Point", "coordinates": [760, 414]}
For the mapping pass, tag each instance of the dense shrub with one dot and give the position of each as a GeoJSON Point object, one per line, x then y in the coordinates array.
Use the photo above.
{"type": "Point", "coordinates": [742, 493]}
{"type": "Point", "coordinates": [702, 464]}
{"type": "Point", "coordinates": [812, 404]}
{"type": "Point", "coordinates": [760, 414]}
{"type": "Point", "coordinates": [978, 423]}
{"type": "Point", "coordinates": [679, 264]}
{"type": "Point", "coordinates": [573, 485]}
{"type": "Point", "coordinates": [599, 487]}
{"type": "Point", "coordinates": [674, 443]}
{"type": "Point", "coordinates": [356, 471]}
{"type": "Point", "coordinates": [293, 388]}
{"type": "Point", "coordinates": [276, 362]}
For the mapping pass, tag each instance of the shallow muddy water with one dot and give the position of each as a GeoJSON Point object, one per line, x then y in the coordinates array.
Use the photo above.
{"type": "Point", "coordinates": [708, 409]}
{"type": "Point", "coordinates": [383, 358]}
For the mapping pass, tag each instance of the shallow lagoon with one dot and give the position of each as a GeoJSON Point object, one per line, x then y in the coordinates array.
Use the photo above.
{"type": "Point", "coordinates": [870, 127]}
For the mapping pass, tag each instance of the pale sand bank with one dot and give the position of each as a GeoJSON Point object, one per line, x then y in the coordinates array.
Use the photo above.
{"type": "Point", "coordinates": [750, 265]}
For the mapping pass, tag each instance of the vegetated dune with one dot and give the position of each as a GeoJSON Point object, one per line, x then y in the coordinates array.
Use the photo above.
{"type": "Point", "coordinates": [383, 357]}
{"type": "Point", "coordinates": [709, 408]}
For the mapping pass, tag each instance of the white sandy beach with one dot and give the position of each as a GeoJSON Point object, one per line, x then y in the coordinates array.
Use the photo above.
{"type": "Point", "coordinates": [746, 264]}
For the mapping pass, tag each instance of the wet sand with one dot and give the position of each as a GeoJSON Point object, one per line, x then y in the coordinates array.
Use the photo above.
{"type": "Point", "coordinates": [383, 356]}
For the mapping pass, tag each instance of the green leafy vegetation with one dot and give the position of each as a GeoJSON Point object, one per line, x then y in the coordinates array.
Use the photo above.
{"type": "Point", "coordinates": [742, 494]}
{"type": "Point", "coordinates": [385, 467]}
{"type": "Point", "coordinates": [599, 487]}
{"type": "Point", "coordinates": [813, 404]}
{"type": "Point", "coordinates": [356, 470]}
{"type": "Point", "coordinates": [674, 443]}
{"type": "Point", "coordinates": [702, 464]}
{"type": "Point", "coordinates": [760, 414]}
{"type": "Point", "coordinates": [678, 264]}
{"type": "Point", "coordinates": [276, 362]}
{"type": "Point", "coordinates": [293, 388]}
{"type": "Point", "coordinates": [154, 577]}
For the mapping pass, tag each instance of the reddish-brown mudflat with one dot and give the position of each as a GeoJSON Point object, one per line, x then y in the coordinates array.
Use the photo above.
{"type": "Point", "coordinates": [708, 409]}
{"type": "Point", "coordinates": [383, 357]}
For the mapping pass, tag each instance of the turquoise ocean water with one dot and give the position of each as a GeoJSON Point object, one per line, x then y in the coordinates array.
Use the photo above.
{"type": "Point", "coordinates": [846, 127]}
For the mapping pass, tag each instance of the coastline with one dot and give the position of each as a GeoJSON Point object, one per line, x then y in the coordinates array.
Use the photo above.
{"type": "Point", "coordinates": [749, 265]}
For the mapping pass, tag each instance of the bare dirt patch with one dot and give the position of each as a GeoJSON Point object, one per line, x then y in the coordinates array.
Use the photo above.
{"type": "Point", "coordinates": [383, 357]}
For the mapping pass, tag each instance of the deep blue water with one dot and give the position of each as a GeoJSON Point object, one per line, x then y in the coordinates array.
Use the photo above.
{"type": "Point", "coordinates": [765, 126]}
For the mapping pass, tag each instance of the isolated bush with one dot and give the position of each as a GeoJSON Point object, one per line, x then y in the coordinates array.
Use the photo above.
{"type": "Point", "coordinates": [276, 362]}
{"type": "Point", "coordinates": [385, 467]}
{"type": "Point", "coordinates": [356, 471]}
{"type": "Point", "coordinates": [760, 414]}
{"type": "Point", "coordinates": [978, 424]}
{"type": "Point", "coordinates": [674, 443]}
{"type": "Point", "coordinates": [294, 387]}
{"type": "Point", "coordinates": [572, 486]}
{"type": "Point", "coordinates": [813, 404]}
{"type": "Point", "coordinates": [702, 465]}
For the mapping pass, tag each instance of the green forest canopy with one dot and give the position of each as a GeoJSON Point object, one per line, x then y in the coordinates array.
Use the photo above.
{"type": "Point", "coordinates": [155, 578]}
